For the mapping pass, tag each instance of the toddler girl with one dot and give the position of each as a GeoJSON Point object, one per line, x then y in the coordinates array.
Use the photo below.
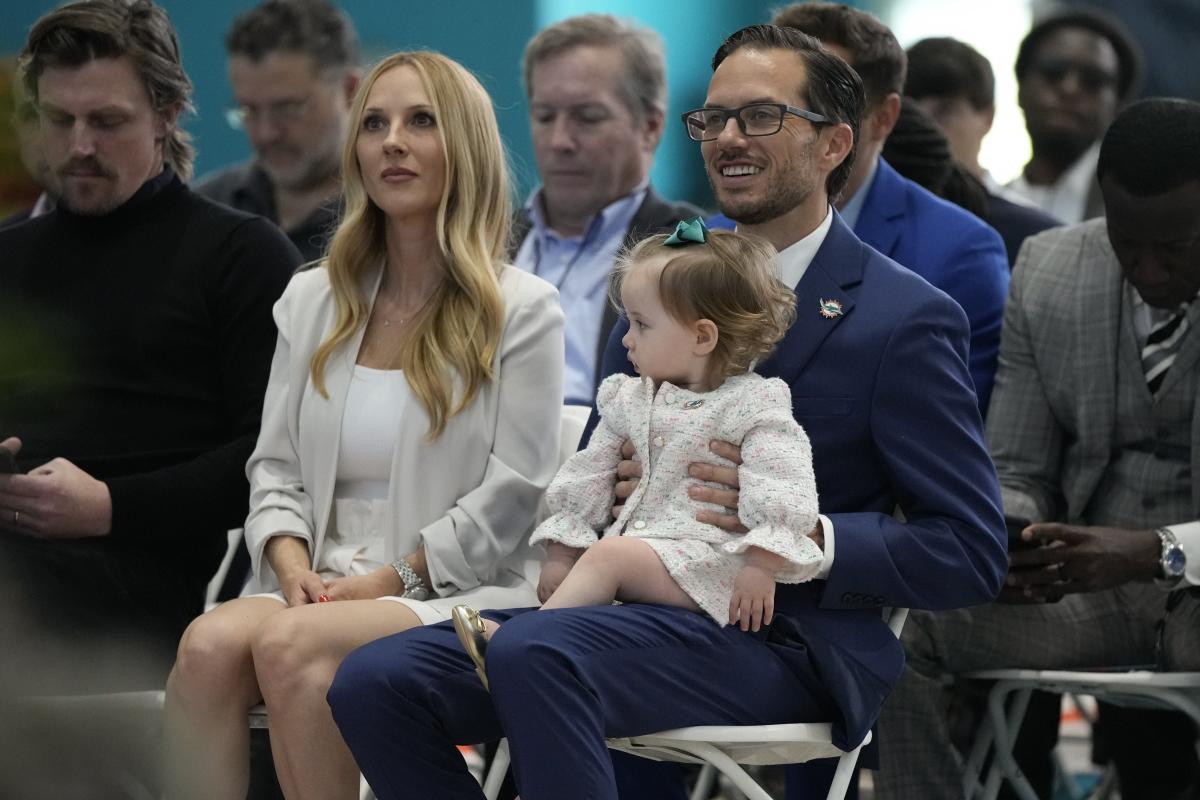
{"type": "Point", "coordinates": [703, 307]}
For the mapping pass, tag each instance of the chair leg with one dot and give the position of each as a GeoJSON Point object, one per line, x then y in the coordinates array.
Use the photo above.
{"type": "Point", "coordinates": [704, 782]}
{"type": "Point", "coordinates": [973, 769]}
{"type": "Point", "coordinates": [1005, 725]}
{"type": "Point", "coordinates": [843, 774]}
{"type": "Point", "coordinates": [495, 776]}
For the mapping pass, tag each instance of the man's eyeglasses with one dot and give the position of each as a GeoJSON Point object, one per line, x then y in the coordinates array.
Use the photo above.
{"type": "Point", "coordinates": [283, 112]}
{"type": "Point", "coordinates": [755, 119]}
{"type": "Point", "coordinates": [1092, 79]}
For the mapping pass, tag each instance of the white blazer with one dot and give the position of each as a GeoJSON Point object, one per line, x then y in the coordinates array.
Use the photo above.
{"type": "Point", "coordinates": [472, 493]}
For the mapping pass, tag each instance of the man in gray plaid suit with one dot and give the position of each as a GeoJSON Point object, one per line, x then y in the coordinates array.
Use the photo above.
{"type": "Point", "coordinates": [1095, 430]}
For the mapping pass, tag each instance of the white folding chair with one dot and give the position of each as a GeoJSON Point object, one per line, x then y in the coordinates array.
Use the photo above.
{"type": "Point", "coordinates": [1009, 698]}
{"type": "Point", "coordinates": [725, 748]}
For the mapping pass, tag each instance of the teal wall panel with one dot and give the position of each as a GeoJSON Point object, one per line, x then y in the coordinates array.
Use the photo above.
{"type": "Point", "coordinates": [487, 36]}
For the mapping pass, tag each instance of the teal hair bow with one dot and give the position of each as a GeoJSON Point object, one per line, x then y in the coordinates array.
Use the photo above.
{"type": "Point", "coordinates": [687, 231]}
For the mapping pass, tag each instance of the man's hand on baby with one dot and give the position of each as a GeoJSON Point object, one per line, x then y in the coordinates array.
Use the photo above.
{"type": "Point", "coordinates": [629, 472]}
{"type": "Point", "coordinates": [753, 602]}
{"type": "Point", "coordinates": [728, 496]}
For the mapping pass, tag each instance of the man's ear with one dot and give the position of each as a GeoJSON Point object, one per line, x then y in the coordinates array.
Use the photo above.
{"type": "Point", "coordinates": [706, 336]}
{"type": "Point", "coordinates": [350, 85]}
{"type": "Point", "coordinates": [837, 147]}
{"type": "Point", "coordinates": [883, 117]}
{"type": "Point", "coordinates": [652, 130]}
{"type": "Point", "coordinates": [991, 118]}
{"type": "Point", "coordinates": [168, 118]}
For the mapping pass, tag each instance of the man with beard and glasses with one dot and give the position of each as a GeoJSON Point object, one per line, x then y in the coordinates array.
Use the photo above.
{"type": "Point", "coordinates": [945, 245]}
{"type": "Point", "coordinates": [293, 68]}
{"type": "Point", "coordinates": [877, 365]}
{"type": "Point", "coordinates": [140, 337]}
{"type": "Point", "coordinates": [1075, 69]}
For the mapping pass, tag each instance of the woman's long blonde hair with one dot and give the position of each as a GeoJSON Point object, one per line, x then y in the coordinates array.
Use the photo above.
{"type": "Point", "coordinates": [460, 332]}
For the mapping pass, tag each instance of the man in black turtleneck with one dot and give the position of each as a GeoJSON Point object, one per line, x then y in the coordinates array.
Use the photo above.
{"type": "Point", "coordinates": [135, 341]}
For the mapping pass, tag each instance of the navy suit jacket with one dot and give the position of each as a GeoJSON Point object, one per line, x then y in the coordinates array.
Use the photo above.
{"type": "Point", "coordinates": [947, 246]}
{"type": "Point", "coordinates": [885, 396]}
{"type": "Point", "coordinates": [1015, 223]}
{"type": "Point", "coordinates": [952, 249]}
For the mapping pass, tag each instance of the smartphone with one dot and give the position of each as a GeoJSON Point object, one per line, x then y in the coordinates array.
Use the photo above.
{"type": "Point", "coordinates": [8, 462]}
{"type": "Point", "coordinates": [1014, 526]}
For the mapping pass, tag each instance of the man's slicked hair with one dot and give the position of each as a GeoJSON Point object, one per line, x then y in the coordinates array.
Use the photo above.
{"type": "Point", "coordinates": [77, 33]}
{"type": "Point", "coordinates": [833, 89]}
{"type": "Point", "coordinates": [1129, 52]}
{"type": "Point", "coordinates": [876, 55]}
{"type": "Point", "coordinates": [946, 67]}
{"type": "Point", "coordinates": [644, 86]}
{"type": "Point", "coordinates": [1150, 148]}
{"type": "Point", "coordinates": [315, 28]}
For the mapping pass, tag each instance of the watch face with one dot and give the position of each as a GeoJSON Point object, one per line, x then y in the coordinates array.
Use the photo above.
{"type": "Point", "coordinates": [1174, 562]}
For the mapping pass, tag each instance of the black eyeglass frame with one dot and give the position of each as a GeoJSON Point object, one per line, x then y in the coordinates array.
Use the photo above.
{"type": "Point", "coordinates": [736, 113]}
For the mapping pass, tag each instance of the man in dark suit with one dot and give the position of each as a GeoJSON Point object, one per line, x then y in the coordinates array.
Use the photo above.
{"type": "Point", "coordinates": [945, 245]}
{"type": "Point", "coordinates": [597, 98]}
{"type": "Point", "coordinates": [876, 361]}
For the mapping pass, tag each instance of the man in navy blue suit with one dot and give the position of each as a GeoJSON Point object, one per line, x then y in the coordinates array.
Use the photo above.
{"type": "Point", "coordinates": [949, 247]}
{"type": "Point", "coordinates": [877, 363]}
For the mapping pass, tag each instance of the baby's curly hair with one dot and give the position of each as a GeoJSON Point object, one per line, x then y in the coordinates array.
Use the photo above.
{"type": "Point", "coordinates": [730, 279]}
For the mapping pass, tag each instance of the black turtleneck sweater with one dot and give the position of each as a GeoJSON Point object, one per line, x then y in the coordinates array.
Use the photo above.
{"type": "Point", "coordinates": [137, 345]}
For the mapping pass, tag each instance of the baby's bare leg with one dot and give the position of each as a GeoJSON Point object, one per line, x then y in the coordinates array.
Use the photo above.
{"type": "Point", "coordinates": [619, 568]}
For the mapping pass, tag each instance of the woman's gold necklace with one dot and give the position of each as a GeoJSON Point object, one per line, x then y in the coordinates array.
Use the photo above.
{"type": "Point", "coordinates": [388, 322]}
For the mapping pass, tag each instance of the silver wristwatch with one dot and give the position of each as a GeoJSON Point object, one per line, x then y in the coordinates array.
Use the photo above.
{"type": "Point", "coordinates": [1173, 560]}
{"type": "Point", "coordinates": [414, 587]}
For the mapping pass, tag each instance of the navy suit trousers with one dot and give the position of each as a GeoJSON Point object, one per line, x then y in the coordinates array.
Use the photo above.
{"type": "Point", "coordinates": [562, 681]}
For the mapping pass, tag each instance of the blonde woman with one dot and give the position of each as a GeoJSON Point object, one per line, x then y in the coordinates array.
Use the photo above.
{"type": "Point", "coordinates": [410, 428]}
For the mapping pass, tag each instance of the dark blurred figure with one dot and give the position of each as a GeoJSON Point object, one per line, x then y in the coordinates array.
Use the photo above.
{"type": "Point", "coordinates": [27, 133]}
{"type": "Point", "coordinates": [919, 151]}
{"type": "Point", "coordinates": [293, 65]}
{"type": "Point", "coordinates": [1168, 37]}
{"type": "Point", "coordinates": [1075, 69]}
{"type": "Point", "coordinates": [953, 84]}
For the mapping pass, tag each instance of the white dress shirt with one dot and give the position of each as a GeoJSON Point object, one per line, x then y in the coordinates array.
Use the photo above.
{"type": "Point", "coordinates": [1066, 198]}
{"type": "Point", "coordinates": [793, 263]}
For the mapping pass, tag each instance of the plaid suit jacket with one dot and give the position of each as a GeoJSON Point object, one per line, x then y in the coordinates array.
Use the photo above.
{"type": "Point", "coordinates": [1051, 426]}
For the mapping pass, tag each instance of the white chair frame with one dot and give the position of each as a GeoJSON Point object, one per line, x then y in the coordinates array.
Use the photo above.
{"type": "Point", "coordinates": [1009, 699]}
{"type": "Point", "coordinates": [725, 748]}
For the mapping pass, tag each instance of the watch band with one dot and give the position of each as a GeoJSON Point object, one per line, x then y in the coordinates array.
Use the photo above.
{"type": "Point", "coordinates": [414, 587]}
